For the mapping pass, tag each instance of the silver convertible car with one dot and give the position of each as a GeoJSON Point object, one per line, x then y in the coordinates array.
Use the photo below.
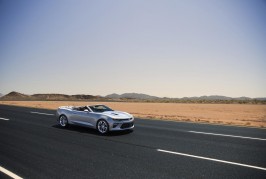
{"type": "Point", "coordinates": [99, 117]}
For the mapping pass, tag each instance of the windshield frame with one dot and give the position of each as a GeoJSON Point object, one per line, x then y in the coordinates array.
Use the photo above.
{"type": "Point", "coordinates": [93, 109]}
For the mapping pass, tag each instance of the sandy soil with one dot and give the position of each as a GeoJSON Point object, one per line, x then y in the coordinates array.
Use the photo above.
{"type": "Point", "coordinates": [232, 114]}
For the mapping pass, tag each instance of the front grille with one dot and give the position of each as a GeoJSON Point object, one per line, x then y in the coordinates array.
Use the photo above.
{"type": "Point", "coordinates": [127, 125]}
{"type": "Point", "coordinates": [124, 119]}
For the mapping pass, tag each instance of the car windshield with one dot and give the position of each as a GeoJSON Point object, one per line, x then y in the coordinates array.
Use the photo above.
{"type": "Point", "coordinates": [100, 108]}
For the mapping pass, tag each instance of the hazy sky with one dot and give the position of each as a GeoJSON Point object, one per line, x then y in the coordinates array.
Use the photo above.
{"type": "Point", "coordinates": [164, 48]}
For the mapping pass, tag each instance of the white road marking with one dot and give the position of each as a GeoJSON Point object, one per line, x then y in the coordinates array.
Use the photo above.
{"type": "Point", "coordinates": [208, 123]}
{"type": "Point", "coordinates": [9, 173]}
{"type": "Point", "coordinates": [212, 159]}
{"type": "Point", "coordinates": [226, 135]}
{"type": "Point", "coordinates": [5, 119]}
{"type": "Point", "coordinates": [42, 113]}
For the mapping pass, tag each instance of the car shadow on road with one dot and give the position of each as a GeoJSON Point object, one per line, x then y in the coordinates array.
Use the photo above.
{"type": "Point", "coordinates": [87, 130]}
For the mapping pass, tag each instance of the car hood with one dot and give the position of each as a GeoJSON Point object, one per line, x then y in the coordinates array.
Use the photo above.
{"type": "Point", "coordinates": [117, 114]}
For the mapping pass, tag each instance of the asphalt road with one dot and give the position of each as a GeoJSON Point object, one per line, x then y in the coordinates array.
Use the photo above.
{"type": "Point", "coordinates": [33, 146]}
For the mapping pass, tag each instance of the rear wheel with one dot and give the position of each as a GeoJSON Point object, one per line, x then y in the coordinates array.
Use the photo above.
{"type": "Point", "coordinates": [102, 126]}
{"type": "Point", "coordinates": [63, 122]}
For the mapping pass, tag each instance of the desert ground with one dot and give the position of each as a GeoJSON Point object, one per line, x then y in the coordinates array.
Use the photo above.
{"type": "Point", "coordinates": [229, 114]}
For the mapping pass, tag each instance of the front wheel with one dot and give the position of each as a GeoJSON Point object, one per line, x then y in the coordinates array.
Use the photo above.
{"type": "Point", "coordinates": [63, 122]}
{"type": "Point", "coordinates": [102, 126]}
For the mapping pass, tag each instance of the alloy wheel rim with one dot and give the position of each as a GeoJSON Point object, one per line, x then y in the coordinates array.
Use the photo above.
{"type": "Point", "coordinates": [102, 126]}
{"type": "Point", "coordinates": [63, 121]}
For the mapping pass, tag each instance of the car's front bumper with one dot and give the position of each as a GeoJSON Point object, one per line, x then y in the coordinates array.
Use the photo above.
{"type": "Point", "coordinates": [120, 126]}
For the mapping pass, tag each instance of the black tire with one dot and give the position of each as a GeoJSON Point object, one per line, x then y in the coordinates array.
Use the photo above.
{"type": "Point", "coordinates": [102, 126]}
{"type": "Point", "coordinates": [63, 121]}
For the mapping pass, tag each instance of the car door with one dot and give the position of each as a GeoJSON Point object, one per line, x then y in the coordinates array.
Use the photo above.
{"type": "Point", "coordinates": [82, 118]}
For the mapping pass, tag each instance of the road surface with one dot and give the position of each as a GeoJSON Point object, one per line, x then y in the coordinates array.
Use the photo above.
{"type": "Point", "coordinates": [32, 145]}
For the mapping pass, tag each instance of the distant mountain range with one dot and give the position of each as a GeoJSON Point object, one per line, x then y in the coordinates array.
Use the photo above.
{"type": "Point", "coordinates": [131, 96]}
{"type": "Point", "coordinates": [13, 96]}
{"type": "Point", "coordinates": [147, 97]}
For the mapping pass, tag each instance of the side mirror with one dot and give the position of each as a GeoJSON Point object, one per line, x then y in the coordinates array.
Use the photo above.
{"type": "Point", "coordinates": [86, 110]}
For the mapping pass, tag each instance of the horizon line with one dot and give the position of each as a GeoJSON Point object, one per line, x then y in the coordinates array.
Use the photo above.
{"type": "Point", "coordinates": [135, 93]}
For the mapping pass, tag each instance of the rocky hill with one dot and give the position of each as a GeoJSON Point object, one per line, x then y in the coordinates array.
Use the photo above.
{"type": "Point", "coordinates": [16, 96]}
{"type": "Point", "coordinates": [200, 99]}
{"type": "Point", "coordinates": [131, 96]}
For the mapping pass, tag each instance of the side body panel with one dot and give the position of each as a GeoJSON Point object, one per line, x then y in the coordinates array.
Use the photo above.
{"type": "Point", "coordinates": [83, 118]}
